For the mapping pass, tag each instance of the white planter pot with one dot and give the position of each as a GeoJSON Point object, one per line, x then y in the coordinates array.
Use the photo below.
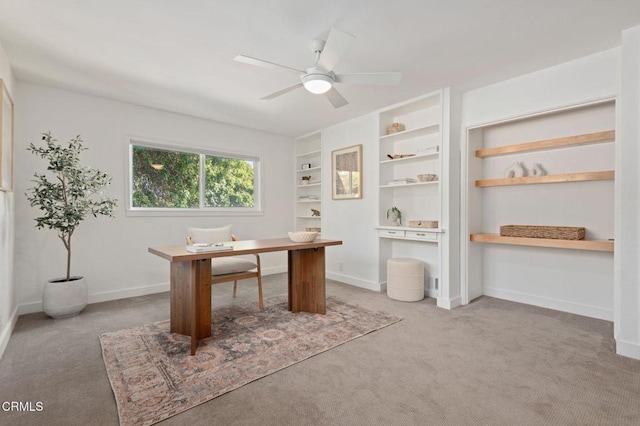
{"type": "Point", "coordinates": [61, 299]}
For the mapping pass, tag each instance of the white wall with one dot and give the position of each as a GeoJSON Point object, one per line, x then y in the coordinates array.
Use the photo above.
{"type": "Point", "coordinates": [627, 256]}
{"type": "Point", "coordinates": [112, 253]}
{"type": "Point", "coordinates": [352, 221]}
{"type": "Point", "coordinates": [545, 277]}
{"type": "Point", "coordinates": [8, 307]}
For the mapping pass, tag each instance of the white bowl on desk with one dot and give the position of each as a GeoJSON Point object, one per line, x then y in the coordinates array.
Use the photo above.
{"type": "Point", "coordinates": [303, 236]}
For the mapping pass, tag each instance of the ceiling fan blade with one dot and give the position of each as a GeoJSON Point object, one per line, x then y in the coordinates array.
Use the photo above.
{"type": "Point", "coordinates": [337, 44]}
{"type": "Point", "coordinates": [336, 99]}
{"type": "Point", "coordinates": [283, 91]}
{"type": "Point", "coordinates": [375, 78]}
{"type": "Point", "coordinates": [265, 64]}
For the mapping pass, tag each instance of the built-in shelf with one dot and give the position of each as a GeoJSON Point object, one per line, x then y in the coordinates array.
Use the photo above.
{"type": "Point", "coordinates": [308, 170]}
{"type": "Point", "coordinates": [416, 157]}
{"type": "Point", "coordinates": [429, 140]}
{"type": "Point", "coordinates": [410, 228]}
{"type": "Point", "coordinates": [404, 185]}
{"type": "Point", "coordinates": [411, 133]}
{"type": "Point", "coordinates": [583, 139]}
{"type": "Point", "coordinates": [309, 185]}
{"type": "Point", "coordinates": [595, 245]}
{"type": "Point", "coordinates": [560, 178]}
{"type": "Point", "coordinates": [310, 153]}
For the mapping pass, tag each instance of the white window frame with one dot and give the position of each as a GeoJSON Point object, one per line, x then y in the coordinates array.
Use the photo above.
{"type": "Point", "coordinates": [202, 210]}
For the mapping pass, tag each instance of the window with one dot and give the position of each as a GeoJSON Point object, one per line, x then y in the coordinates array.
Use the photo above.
{"type": "Point", "coordinates": [176, 179]}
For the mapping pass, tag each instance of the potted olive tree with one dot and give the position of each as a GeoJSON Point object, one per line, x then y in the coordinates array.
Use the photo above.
{"type": "Point", "coordinates": [66, 194]}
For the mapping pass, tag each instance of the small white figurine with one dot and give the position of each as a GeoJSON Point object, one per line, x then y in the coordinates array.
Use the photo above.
{"type": "Point", "coordinates": [538, 170]}
{"type": "Point", "coordinates": [515, 170]}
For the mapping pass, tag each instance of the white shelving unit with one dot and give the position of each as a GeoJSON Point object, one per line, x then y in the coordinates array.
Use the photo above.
{"type": "Point", "coordinates": [575, 146]}
{"type": "Point", "coordinates": [423, 147]}
{"type": "Point", "coordinates": [308, 154]}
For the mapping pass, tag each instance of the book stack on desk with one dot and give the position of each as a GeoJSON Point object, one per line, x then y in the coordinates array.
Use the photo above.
{"type": "Point", "coordinates": [201, 247]}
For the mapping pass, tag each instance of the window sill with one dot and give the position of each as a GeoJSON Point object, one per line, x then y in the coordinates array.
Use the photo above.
{"type": "Point", "coordinates": [188, 213]}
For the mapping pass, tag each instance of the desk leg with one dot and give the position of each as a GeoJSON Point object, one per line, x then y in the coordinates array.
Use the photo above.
{"type": "Point", "coordinates": [191, 300]}
{"type": "Point", "coordinates": [307, 281]}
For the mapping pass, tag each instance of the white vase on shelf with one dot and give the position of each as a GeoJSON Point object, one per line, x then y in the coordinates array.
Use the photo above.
{"type": "Point", "coordinates": [515, 170]}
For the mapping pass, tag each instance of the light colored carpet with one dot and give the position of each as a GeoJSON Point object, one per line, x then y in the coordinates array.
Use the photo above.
{"type": "Point", "coordinates": [154, 376]}
{"type": "Point", "coordinates": [492, 362]}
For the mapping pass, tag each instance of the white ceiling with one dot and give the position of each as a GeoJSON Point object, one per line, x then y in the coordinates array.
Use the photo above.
{"type": "Point", "coordinates": [178, 55]}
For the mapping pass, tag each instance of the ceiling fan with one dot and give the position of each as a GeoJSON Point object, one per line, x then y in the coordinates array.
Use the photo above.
{"type": "Point", "coordinates": [319, 78]}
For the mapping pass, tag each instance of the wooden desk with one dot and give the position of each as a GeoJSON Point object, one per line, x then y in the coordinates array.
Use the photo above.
{"type": "Point", "coordinates": [191, 280]}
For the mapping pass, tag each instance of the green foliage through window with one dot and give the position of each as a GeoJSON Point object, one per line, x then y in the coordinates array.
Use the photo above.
{"type": "Point", "coordinates": [228, 182]}
{"type": "Point", "coordinates": [163, 178]}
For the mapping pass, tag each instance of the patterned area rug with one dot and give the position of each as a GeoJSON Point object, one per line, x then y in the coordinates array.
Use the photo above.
{"type": "Point", "coordinates": [153, 376]}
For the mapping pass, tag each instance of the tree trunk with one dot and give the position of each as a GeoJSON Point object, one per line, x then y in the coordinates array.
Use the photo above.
{"type": "Point", "coordinates": [69, 258]}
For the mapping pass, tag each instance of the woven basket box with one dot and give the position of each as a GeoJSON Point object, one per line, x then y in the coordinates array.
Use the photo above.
{"type": "Point", "coordinates": [551, 232]}
{"type": "Point", "coordinates": [423, 223]}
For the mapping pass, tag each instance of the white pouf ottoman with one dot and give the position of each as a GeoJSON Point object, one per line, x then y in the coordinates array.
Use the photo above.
{"type": "Point", "coordinates": [405, 279]}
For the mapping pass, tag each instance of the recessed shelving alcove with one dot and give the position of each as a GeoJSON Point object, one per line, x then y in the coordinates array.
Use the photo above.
{"type": "Point", "coordinates": [308, 163]}
{"type": "Point", "coordinates": [565, 160]}
{"type": "Point", "coordinates": [427, 145]}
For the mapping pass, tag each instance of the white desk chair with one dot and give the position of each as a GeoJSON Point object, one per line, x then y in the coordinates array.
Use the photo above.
{"type": "Point", "coordinates": [231, 268]}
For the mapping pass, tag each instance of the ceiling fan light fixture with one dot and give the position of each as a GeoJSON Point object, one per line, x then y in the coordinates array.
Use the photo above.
{"type": "Point", "coordinates": [317, 83]}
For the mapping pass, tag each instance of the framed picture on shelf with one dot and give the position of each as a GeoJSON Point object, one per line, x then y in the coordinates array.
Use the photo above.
{"type": "Point", "coordinates": [6, 135]}
{"type": "Point", "coordinates": [346, 172]}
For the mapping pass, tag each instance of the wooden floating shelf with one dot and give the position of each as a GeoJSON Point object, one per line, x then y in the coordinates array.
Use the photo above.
{"type": "Point", "coordinates": [529, 180]}
{"type": "Point", "coordinates": [584, 139]}
{"type": "Point", "coordinates": [594, 245]}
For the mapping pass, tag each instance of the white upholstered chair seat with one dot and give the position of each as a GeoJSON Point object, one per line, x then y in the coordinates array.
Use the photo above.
{"type": "Point", "coordinates": [231, 265]}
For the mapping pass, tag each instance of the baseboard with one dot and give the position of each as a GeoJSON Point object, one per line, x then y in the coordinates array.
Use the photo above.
{"type": "Point", "coordinates": [428, 292]}
{"type": "Point", "coordinates": [449, 303]}
{"type": "Point", "coordinates": [431, 293]}
{"type": "Point", "coordinates": [357, 282]}
{"type": "Point", "coordinates": [7, 329]}
{"type": "Point", "coordinates": [106, 296]}
{"type": "Point", "coordinates": [274, 270]}
{"type": "Point", "coordinates": [543, 302]}
{"type": "Point", "coordinates": [628, 349]}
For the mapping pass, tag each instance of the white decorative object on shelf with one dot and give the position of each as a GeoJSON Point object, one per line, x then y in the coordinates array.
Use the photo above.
{"type": "Point", "coordinates": [395, 128]}
{"type": "Point", "coordinates": [302, 236]}
{"type": "Point", "coordinates": [427, 177]}
{"type": "Point", "coordinates": [538, 170]}
{"type": "Point", "coordinates": [402, 181]}
{"type": "Point", "coordinates": [395, 215]}
{"type": "Point", "coordinates": [515, 170]}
